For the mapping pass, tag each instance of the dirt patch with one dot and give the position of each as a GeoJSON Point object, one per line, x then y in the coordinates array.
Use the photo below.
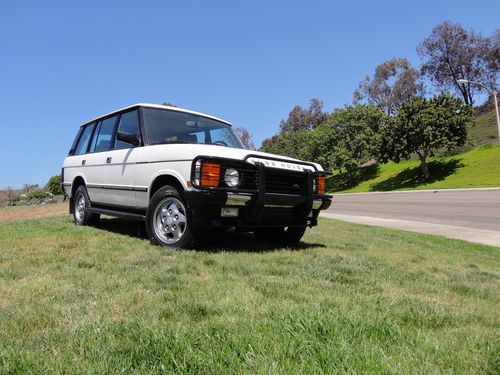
{"type": "Point", "coordinates": [32, 212]}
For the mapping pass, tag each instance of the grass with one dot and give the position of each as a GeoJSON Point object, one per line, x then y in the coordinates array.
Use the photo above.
{"type": "Point", "coordinates": [350, 299]}
{"type": "Point", "coordinates": [484, 128]}
{"type": "Point", "coordinates": [476, 168]}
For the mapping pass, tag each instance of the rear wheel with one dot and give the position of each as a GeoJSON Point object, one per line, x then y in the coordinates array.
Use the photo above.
{"type": "Point", "coordinates": [286, 236]}
{"type": "Point", "coordinates": [81, 203]}
{"type": "Point", "coordinates": [168, 221]}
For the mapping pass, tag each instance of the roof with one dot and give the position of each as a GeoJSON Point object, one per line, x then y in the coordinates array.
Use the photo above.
{"type": "Point", "coordinates": [158, 106]}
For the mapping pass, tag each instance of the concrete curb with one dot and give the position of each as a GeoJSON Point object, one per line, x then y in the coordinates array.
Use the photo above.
{"type": "Point", "coordinates": [420, 191]}
{"type": "Point", "coordinates": [482, 236]}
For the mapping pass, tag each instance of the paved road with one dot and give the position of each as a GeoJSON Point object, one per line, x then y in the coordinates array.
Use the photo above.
{"type": "Point", "coordinates": [448, 211]}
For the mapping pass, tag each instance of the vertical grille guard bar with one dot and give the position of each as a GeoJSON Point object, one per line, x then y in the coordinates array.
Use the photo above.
{"type": "Point", "coordinates": [309, 193]}
{"type": "Point", "coordinates": [260, 198]}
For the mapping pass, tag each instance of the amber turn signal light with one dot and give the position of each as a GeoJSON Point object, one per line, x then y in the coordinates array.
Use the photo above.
{"type": "Point", "coordinates": [321, 185]}
{"type": "Point", "coordinates": [210, 174]}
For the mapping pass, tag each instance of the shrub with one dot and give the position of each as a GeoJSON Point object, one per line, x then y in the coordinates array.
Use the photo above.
{"type": "Point", "coordinates": [36, 194]}
{"type": "Point", "coordinates": [54, 185]}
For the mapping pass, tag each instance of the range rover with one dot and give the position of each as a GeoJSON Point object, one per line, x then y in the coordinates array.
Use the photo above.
{"type": "Point", "coordinates": [185, 174]}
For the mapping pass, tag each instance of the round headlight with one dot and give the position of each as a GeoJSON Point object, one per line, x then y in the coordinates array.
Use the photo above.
{"type": "Point", "coordinates": [231, 177]}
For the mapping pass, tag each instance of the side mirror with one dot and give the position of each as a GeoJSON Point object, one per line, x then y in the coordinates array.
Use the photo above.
{"type": "Point", "coordinates": [128, 138]}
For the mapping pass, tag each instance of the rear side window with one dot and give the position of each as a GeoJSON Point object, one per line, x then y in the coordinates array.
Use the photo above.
{"type": "Point", "coordinates": [83, 144]}
{"type": "Point", "coordinates": [103, 135]}
{"type": "Point", "coordinates": [129, 123]}
{"type": "Point", "coordinates": [75, 142]}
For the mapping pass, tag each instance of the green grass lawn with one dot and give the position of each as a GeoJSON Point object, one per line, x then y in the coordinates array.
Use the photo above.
{"type": "Point", "coordinates": [476, 168]}
{"type": "Point", "coordinates": [350, 299]}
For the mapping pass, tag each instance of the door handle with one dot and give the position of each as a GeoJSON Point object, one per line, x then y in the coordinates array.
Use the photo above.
{"type": "Point", "coordinates": [108, 160]}
{"type": "Point", "coordinates": [83, 162]}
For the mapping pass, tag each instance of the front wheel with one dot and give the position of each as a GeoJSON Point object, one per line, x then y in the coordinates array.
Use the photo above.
{"type": "Point", "coordinates": [168, 222]}
{"type": "Point", "coordinates": [288, 236]}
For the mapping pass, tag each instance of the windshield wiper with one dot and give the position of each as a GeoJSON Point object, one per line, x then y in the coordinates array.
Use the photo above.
{"type": "Point", "coordinates": [168, 142]}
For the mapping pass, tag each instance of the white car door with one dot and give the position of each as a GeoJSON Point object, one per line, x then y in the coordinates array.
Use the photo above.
{"type": "Point", "coordinates": [97, 170]}
{"type": "Point", "coordinates": [122, 163]}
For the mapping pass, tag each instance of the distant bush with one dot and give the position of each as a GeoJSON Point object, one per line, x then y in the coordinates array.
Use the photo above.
{"type": "Point", "coordinates": [36, 194]}
{"type": "Point", "coordinates": [54, 185]}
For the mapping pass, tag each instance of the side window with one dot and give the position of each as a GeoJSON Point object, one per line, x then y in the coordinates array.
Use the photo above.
{"type": "Point", "coordinates": [129, 123]}
{"type": "Point", "coordinates": [75, 142]}
{"type": "Point", "coordinates": [83, 144]}
{"type": "Point", "coordinates": [103, 135]}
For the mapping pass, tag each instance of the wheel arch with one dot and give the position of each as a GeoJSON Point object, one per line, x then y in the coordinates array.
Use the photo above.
{"type": "Point", "coordinates": [77, 181]}
{"type": "Point", "coordinates": [165, 179]}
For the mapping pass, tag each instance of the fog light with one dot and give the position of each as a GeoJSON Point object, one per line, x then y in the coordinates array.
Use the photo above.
{"type": "Point", "coordinates": [229, 212]}
{"type": "Point", "coordinates": [231, 177]}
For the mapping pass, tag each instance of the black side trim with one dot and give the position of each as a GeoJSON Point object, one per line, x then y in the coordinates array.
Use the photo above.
{"type": "Point", "coordinates": [126, 188]}
{"type": "Point", "coordinates": [121, 214]}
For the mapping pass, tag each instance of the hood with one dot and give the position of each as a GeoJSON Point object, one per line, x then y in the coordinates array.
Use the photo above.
{"type": "Point", "coordinates": [190, 151]}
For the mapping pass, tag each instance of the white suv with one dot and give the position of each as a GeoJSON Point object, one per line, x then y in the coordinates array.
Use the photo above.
{"type": "Point", "coordinates": [185, 173]}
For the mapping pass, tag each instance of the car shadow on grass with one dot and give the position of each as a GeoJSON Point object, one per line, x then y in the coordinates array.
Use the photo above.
{"type": "Point", "coordinates": [218, 242]}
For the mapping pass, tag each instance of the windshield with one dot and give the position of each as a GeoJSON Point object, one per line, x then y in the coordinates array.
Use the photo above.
{"type": "Point", "coordinates": [164, 126]}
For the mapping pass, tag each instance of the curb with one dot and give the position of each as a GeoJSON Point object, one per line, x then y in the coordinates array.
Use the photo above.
{"type": "Point", "coordinates": [420, 191]}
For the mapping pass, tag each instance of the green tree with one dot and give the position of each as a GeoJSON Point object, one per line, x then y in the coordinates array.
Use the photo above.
{"type": "Point", "coordinates": [300, 119]}
{"type": "Point", "coordinates": [451, 53]}
{"type": "Point", "coordinates": [423, 126]}
{"type": "Point", "coordinates": [294, 144]}
{"type": "Point", "coordinates": [394, 82]}
{"type": "Point", "coordinates": [349, 138]}
{"type": "Point", "coordinates": [54, 185]}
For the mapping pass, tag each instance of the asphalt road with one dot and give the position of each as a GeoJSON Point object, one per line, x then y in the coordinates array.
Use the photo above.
{"type": "Point", "coordinates": [476, 209]}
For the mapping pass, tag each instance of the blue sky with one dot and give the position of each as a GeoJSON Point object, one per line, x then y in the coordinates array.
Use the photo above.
{"type": "Point", "coordinates": [62, 63]}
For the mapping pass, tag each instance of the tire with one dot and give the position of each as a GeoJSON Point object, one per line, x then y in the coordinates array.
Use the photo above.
{"type": "Point", "coordinates": [168, 220]}
{"type": "Point", "coordinates": [289, 236]}
{"type": "Point", "coordinates": [81, 202]}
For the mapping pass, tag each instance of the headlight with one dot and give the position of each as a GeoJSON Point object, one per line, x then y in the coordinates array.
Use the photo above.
{"type": "Point", "coordinates": [231, 177]}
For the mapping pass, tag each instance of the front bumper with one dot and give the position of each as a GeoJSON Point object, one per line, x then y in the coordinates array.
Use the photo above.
{"type": "Point", "coordinates": [254, 210]}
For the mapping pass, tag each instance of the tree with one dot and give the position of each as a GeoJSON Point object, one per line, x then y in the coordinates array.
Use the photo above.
{"type": "Point", "coordinates": [348, 138]}
{"type": "Point", "coordinates": [269, 142]}
{"type": "Point", "coordinates": [300, 119]}
{"type": "Point", "coordinates": [168, 104]}
{"type": "Point", "coordinates": [451, 53]}
{"type": "Point", "coordinates": [292, 144]}
{"type": "Point", "coordinates": [423, 126]}
{"type": "Point", "coordinates": [494, 54]}
{"type": "Point", "coordinates": [54, 185]}
{"type": "Point", "coordinates": [11, 195]}
{"type": "Point", "coordinates": [245, 137]}
{"type": "Point", "coordinates": [394, 82]}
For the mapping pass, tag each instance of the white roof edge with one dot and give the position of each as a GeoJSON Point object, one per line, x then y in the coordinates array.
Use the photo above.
{"type": "Point", "coordinates": [159, 106]}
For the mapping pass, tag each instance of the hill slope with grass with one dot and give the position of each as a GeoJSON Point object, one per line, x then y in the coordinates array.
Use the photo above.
{"type": "Point", "coordinates": [350, 299]}
{"type": "Point", "coordinates": [476, 168]}
{"type": "Point", "coordinates": [484, 128]}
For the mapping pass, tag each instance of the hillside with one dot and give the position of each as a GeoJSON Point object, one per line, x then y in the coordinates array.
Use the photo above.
{"type": "Point", "coordinates": [476, 168]}
{"type": "Point", "coordinates": [484, 130]}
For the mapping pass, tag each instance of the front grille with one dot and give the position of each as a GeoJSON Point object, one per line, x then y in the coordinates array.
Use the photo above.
{"type": "Point", "coordinates": [285, 182]}
{"type": "Point", "coordinates": [278, 213]}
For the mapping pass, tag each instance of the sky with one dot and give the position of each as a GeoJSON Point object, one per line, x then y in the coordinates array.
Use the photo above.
{"type": "Point", "coordinates": [63, 63]}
